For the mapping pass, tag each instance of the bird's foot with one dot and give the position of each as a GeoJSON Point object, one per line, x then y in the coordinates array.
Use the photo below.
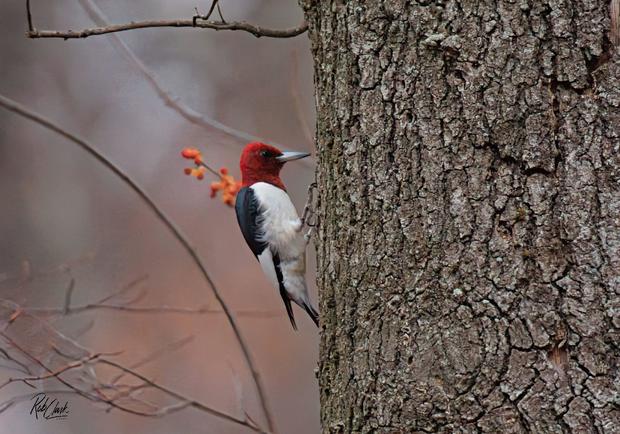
{"type": "Point", "coordinates": [308, 214]}
{"type": "Point", "coordinates": [308, 235]}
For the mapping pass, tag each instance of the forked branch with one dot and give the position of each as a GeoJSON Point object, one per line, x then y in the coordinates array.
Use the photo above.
{"type": "Point", "coordinates": [17, 108]}
{"type": "Point", "coordinates": [196, 22]}
{"type": "Point", "coordinates": [120, 396]}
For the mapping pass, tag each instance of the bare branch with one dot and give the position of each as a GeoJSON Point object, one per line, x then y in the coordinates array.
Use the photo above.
{"type": "Point", "coordinates": [243, 26]}
{"type": "Point", "coordinates": [127, 305]}
{"type": "Point", "coordinates": [172, 227]}
{"type": "Point", "coordinates": [51, 374]}
{"type": "Point", "coordinates": [29, 16]}
{"type": "Point", "coordinates": [147, 310]}
{"type": "Point", "coordinates": [176, 395]}
{"type": "Point", "coordinates": [219, 11]}
{"type": "Point", "coordinates": [99, 396]}
{"type": "Point", "coordinates": [172, 346]}
{"type": "Point", "coordinates": [128, 287]}
{"type": "Point", "coordinates": [63, 381]}
{"type": "Point", "coordinates": [208, 15]}
{"type": "Point", "coordinates": [168, 97]}
{"type": "Point", "coordinates": [119, 307]}
{"type": "Point", "coordinates": [22, 367]}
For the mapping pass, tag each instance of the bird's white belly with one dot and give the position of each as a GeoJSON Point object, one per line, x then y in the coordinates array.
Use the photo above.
{"type": "Point", "coordinates": [279, 225]}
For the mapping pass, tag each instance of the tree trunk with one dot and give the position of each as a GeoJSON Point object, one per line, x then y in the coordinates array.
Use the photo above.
{"type": "Point", "coordinates": [469, 210]}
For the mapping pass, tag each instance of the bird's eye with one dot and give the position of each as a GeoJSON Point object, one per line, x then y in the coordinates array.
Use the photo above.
{"type": "Point", "coordinates": [265, 154]}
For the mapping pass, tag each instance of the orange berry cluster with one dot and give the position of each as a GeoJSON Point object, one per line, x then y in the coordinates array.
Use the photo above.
{"type": "Point", "coordinates": [227, 184]}
{"type": "Point", "coordinates": [194, 154]}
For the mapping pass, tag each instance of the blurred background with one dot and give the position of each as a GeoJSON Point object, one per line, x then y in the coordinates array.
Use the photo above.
{"type": "Point", "coordinates": [64, 216]}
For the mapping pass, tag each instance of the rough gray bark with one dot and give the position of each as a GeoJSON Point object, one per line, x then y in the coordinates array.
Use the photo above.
{"type": "Point", "coordinates": [469, 208]}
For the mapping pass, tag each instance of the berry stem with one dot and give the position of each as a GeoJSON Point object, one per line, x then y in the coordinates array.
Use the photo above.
{"type": "Point", "coordinates": [210, 169]}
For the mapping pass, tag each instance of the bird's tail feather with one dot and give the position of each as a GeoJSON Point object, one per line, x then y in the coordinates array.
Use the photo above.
{"type": "Point", "coordinates": [312, 313]}
{"type": "Point", "coordinates": [289, 310]}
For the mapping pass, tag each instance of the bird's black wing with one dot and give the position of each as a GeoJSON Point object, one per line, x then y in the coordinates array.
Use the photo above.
{"type": "Point", "coordinates": [248, 217]}
{"type": "Point", "coordinates": [248, 214]}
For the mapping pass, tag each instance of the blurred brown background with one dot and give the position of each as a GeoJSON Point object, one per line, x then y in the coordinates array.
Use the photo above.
{"type": "Point", "coordinates": [59, 206]}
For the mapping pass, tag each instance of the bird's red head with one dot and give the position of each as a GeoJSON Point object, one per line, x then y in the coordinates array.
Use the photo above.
{"type": "Point", "coordinates": [262, 163]}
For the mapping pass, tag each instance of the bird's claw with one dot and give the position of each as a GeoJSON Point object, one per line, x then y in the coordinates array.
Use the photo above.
{"type": "Point", "coordinates": [308, 211]}
{"type": "Point", "coordinates": [308, 235]}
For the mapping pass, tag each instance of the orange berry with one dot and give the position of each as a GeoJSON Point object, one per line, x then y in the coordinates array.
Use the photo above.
{"type": "Point", "coordinates": [214, 189]}
{"type": "Point", "coordinates": [190, 153]}
{"type": "Point", "coordinates": [187, 170]}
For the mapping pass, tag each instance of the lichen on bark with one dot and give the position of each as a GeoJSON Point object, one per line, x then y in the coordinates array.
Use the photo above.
{"type": "Point", "coordinates": [469, 211]}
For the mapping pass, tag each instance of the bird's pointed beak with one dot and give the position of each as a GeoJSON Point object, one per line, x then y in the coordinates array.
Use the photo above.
{"type": "Point", "coordinates": [290, 156]}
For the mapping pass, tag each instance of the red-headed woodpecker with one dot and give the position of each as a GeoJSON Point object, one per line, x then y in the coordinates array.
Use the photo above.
{"type": "Point", "coordinates": [271, 226]}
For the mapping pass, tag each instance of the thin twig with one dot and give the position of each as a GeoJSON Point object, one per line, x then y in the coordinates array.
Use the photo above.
{"type": "Point", "coordinates": [100, 397]}
{"type": "Point", "coordinates": [22, 367]}
{"type": "Point", "coordinates": [131, 285]}
{"type": "Point", "coordinates": [208, 15]}
{"type": "Point", "coordinates": [119, 307]}
{"type": "Point", "coordinates": [68, 294]}
{"type": "Point", "coordinates": [168, 348]}
{"type": "Point", "coordinates": [211, 169]}
{"type": "Point", "coordinates": [29, 16]}
{"type": "Point", "coordinates": [243, 26]}
{"type": "Point", "coordinates": [51, 374]}
{"type": "Point", "coordinates": [147, 310]}
{"type": "Point", "coordinates": [62, 353]}
{"type": "Point", "coordinates": [166, 95]}
{"type": "Point", "coordinates": [68, 384]}
{"type": "Point", "coordinates": [219, 11]}
{"type": "Point", "coordinates": [17, 108]}
{"type": "Point", "coordinates": [126, 305]}
{"type": "Point", "coordinates": [178, 396]}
